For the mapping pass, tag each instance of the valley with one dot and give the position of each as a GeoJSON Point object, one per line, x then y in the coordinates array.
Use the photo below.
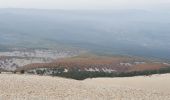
{"type": "Point", "coordinates": [84, 50]}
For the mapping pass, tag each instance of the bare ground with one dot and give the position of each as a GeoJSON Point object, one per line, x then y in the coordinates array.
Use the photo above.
{"type": "Point", "coordinates": [32, 87]}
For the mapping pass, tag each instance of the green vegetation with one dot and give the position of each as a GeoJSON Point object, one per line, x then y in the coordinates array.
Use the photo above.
{"type": "Point", "coordinates": [81, 75]}
{"type": "Point", "coordinates": [146, 72]}
{"type": "Point", "coordinates": [22, 71]}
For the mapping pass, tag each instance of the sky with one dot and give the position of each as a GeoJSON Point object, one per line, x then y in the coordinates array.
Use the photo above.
{"type": "Point", "coordinates": [86, 4]}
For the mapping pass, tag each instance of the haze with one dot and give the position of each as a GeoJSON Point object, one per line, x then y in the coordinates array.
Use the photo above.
{"type": "Point", "coordinates": [86, 4]}
{"type": "Point", "coordinates": [135, 27]}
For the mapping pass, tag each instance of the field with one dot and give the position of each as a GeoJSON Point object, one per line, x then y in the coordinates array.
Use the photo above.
{"type": "Point", "coordinates": [25, 87]}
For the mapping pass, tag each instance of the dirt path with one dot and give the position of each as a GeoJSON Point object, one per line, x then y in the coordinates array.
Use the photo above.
{"type": "Point", "coordinates": [32, 87]}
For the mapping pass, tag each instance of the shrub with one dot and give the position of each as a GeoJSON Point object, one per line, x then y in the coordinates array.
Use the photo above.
{"type": "Point", "coordinates": [22, 71]}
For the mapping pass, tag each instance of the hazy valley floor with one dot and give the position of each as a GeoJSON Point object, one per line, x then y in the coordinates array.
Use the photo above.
{"type": "Point", "coordinates": [32, 87]}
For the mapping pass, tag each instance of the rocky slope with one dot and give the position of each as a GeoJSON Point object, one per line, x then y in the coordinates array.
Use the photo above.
{"type": "Point", "coordinates": [13, 59]}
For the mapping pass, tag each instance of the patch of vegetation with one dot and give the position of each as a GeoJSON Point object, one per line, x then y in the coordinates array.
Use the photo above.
{"type": "Point", "coordinates": [146, 72]}
{"type": "Point", "coordinates": [81, 75]}
{"type": "Point", "coordinates": [22, 71]}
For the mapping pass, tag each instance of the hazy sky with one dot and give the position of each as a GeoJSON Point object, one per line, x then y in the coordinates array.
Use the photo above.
{"type": "Point", "coordinates": [86, 4]}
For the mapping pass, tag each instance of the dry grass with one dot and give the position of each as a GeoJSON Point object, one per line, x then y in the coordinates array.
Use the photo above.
{"type": "Point", "coordinates": [147, 66]}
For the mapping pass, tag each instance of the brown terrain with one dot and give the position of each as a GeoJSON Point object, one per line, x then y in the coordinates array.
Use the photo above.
{"type": "Point", "coordinates": [101, 63]}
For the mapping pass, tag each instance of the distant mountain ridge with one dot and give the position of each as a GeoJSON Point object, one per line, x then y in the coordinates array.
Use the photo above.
{"type": "Point", "coordinates": [132, 32]}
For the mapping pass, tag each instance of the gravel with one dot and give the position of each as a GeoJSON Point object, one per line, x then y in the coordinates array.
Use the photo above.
{"type": "Point", "coordinates": [33, 87]}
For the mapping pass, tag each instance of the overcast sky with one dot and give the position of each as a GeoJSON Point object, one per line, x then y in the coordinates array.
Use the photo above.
{"type": "Point", "coordinates": [86, 4]}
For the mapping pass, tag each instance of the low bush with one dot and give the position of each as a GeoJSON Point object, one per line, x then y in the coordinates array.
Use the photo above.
{"type": "Point", "coordinates": [22, 71]}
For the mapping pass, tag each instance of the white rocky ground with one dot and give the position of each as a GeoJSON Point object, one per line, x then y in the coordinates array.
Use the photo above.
{"type": "Point", "coordinates": [19, 58]}
{"type": "Point", "coordinates": [39, 53]}
{"type": "Point", "coordinates": [32, 87]}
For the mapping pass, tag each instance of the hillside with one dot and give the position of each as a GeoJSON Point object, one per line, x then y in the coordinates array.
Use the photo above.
{"type": "Point", "coordinates": [92, 62]}
{"type": "Point", "coordinates": [92, 66]}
